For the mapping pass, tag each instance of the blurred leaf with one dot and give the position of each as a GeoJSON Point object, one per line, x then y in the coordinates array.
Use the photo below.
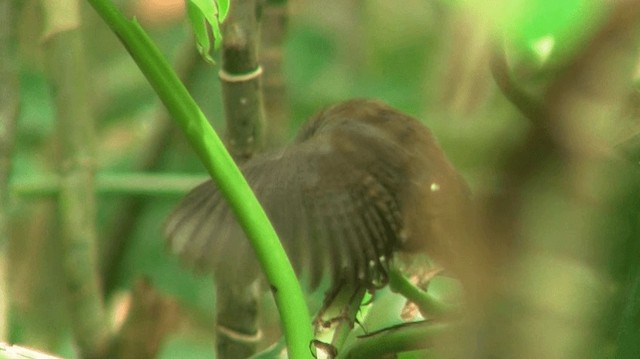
{"type": "Point", "coordinates": [37, 112]}
{"type": "Point", "coordinates": [534, 25]}
{"type": "Point", "coordinates": [620, 322]}
{"type": "Point", "coordinates": [205, 14]}
{"type": "Point", "coordinates": [417, 354]}
{"type": "Point", "coordinates": [186, 347]}
{"type": "Point", "coordinates": [223, 10]}
{"type": "Point", "coordinates": [446, 289]}
{"type": "Point", "coordinates": [629, 331]}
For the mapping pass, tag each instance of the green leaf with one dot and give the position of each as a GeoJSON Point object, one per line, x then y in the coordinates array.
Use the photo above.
{"type": "Point", "coordinates": [217, 35]}
{"type": "Point", "coordinates": [223, 10]}
{"type": "Point", "coordinates": [198, 22]}
{"type": "Point", "coordinates": [536, 26]}
{"type": "Point", "coordinates": [207, 8]}
{"type": "Point", "coordinates": [207, 12]}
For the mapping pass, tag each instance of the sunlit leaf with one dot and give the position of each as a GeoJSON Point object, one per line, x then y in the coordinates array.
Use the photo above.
{"type": "Point", "coordinates": [217, 35]}
{"type": "Point", "coordinates": [199, 24]}
{"type": "Point", "coordinates": [207, 8]}
{"type": "Point", "coordinates": [205, 15]}
{"type": "Point", "coordinates": [223, 10]}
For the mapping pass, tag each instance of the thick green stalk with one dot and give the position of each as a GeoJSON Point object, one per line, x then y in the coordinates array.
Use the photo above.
{"type": "Point", "coordinates": [286, 290]}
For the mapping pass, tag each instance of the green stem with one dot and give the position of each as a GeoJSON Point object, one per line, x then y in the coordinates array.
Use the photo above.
{"type": "Point", "coordinates": [402, 338]}
{"type": "Point", "coordinates": [346, 325]}
{"type": "Point", "coordinates": [288, 295]}
{"type": "Point", "coordinates": [335, 320]}
{"type": "Point", "coordinates": [425, 301]}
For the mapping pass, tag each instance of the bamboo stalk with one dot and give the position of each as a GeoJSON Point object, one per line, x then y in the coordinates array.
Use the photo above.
{"type": "Point", "coordinates": [240, 76]}
{"type": "Point", "coordinates": [138, 184]}
{"type": "Point", "coordinates": [76, 200]}
{"type": "Point", "coordinates": [273, 25]}
{"type": "Point", "coordinates": [9, 108]}
{"type": "Point", "coordinates": [244, 115]}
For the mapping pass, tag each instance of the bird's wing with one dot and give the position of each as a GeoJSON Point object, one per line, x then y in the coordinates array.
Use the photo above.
{"type": "Point", "coordinates": [331, 211]}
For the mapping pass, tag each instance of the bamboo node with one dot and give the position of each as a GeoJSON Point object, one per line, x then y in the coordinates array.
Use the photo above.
{"type": "Point", "coordinates": [239, 337]}
{"type": "Point", "coordinates": [228, 77]}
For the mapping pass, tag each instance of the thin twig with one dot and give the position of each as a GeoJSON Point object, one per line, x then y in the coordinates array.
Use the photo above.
{"type": "Point", "coordinates": [424, 300]}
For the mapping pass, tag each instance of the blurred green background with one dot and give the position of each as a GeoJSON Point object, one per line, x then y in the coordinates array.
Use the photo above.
{"type": "Point", "coordinates": [427, 58]}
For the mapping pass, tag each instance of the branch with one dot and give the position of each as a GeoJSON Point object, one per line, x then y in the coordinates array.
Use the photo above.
{"type": "Point", "coordinates": [427, 303]}
{"type": "Point", "coordinates": [125, 184]}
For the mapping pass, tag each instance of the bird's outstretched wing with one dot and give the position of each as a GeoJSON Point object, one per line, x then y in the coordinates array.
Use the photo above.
{"type": "Point", "coordinates": [355, 187]}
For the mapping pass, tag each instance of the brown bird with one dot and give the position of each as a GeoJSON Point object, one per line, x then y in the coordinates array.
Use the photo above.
{"type": "Point", "coordinates": [360, 182]}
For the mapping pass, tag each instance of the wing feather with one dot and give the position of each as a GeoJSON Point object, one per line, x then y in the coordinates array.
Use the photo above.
{"type": "Point", "coordinates": [352, 190]}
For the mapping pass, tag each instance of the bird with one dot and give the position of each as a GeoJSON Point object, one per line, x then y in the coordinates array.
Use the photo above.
{"type": "Point", "coordinates": [360, 183]}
